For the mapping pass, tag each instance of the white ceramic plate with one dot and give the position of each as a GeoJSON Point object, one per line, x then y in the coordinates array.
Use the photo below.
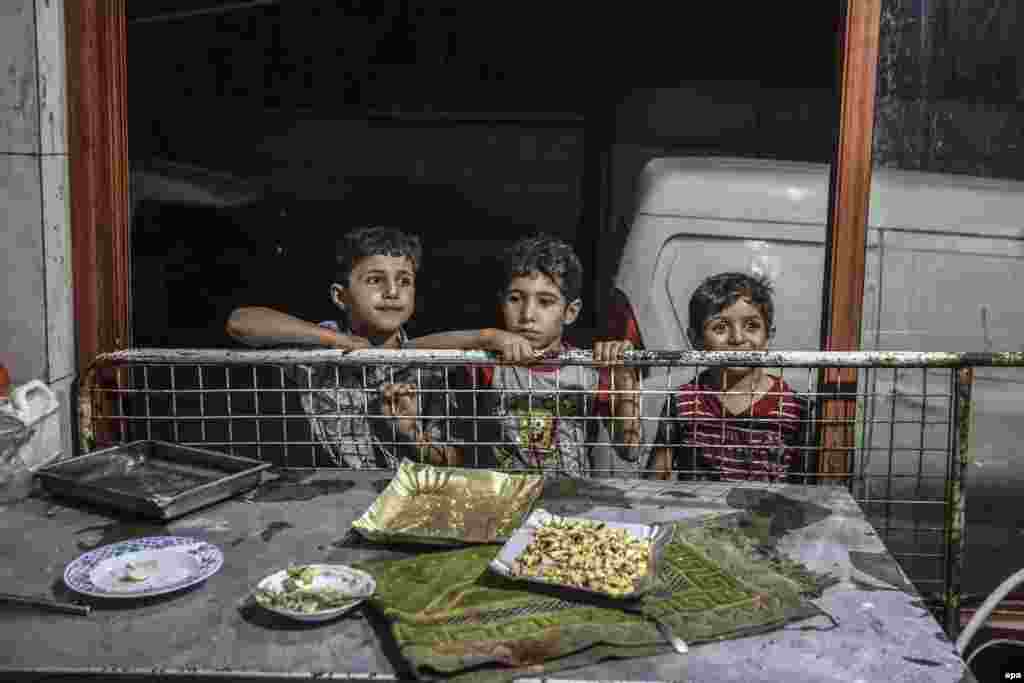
{"type": "Point", "coordinates": [338, 577]}
{"type": "Point", "coordinates": [143, 567]}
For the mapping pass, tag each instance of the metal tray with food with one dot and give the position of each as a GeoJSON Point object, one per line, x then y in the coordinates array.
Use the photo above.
{"type": "Point", "coordinates": [432, 505]}
{"type": "Point", "coordinates": [152, 478]}
{"type": "Point", "coordinates": [610, 559]}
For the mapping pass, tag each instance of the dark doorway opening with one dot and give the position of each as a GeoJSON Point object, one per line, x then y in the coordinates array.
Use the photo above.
{"type": "Point", "coordinates": [467, 124]}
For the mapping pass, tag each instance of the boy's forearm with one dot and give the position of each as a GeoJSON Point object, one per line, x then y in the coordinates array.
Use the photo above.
{"type": "Point", "coordinates": [661, 464]}
{"type": "Point", "coordinates": [625, 408]}
{"type": "Point", "coordinates": [462, 340]}
{"type": "Point", "coordinates": [427, 450]}
{"type": "Point", "coordinates": [452, 456]}
{"type": "Point", "coordinates": [261, 327]}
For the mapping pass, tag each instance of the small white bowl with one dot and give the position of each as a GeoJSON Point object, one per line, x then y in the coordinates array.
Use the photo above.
{"type": "Point", "coordinates": [329, 576]}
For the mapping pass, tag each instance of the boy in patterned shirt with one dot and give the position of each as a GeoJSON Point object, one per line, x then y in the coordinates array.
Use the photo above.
{"type": "Point", "coordinates": [535, 417]}
{"type": "Point", "coordinates": [353, 408]}
{"type": "Point", "coordinates": [734, 423]}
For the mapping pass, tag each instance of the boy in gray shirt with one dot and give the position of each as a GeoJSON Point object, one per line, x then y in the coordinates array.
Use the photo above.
{"type": "Point", "coordinates": [535, 417]}
{"type": "Point", "coordinates": [353, 408]}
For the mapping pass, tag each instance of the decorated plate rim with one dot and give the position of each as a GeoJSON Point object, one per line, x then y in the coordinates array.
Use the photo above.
{"type": "Point", "coordinates": [77, 573]}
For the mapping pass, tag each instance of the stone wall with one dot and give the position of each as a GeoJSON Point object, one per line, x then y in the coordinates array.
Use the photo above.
{"type": "Point", "coordinates": [36, 312]}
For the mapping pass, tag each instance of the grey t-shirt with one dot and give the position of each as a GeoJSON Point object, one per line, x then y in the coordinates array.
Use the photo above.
{"type": "Point", "coordinates": [544, 416]}
{"type": "Point", "coordinates": [345, 403]}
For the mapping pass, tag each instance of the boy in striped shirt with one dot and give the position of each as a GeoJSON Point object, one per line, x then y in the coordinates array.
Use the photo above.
{"type": "Point", "coordinates": [731, 423]}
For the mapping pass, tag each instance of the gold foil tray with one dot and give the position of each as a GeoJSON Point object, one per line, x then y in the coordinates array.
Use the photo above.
{"type": "Point", "coordinates": [449, 506]}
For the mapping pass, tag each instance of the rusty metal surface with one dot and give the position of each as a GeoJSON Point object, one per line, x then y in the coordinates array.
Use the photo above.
{"type": "Point", "coordinates": [956, 497]}
{"type": "Point", "coordinates": [214, 631]}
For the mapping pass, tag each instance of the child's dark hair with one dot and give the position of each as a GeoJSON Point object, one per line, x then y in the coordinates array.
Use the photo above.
{"type": "Point", "coordinates": [548, 255]}
{"type": "Point", "coordinates": [374, 241]}
{"type": "Point", "coordinates": [720, 291]}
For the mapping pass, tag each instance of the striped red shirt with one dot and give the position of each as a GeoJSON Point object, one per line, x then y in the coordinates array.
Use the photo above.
{"type": "Point", "coordinates": [760, 444]}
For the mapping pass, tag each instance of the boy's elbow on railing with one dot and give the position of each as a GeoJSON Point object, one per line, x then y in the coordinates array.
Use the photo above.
{"type": "Point", "coordinates": [236, 327]}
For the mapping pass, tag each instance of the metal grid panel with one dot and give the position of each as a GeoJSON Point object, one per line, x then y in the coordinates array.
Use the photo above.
{"type": "Point", "coordinates": [906, 447]}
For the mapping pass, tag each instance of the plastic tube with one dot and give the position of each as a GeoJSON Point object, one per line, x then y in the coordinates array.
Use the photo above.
{"type": "Point", "coordinates": [983, 613]}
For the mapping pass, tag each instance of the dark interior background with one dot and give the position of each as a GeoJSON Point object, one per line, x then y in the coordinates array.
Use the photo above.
{"type": "Point", "coordinates": [472, 124]}
{"type": "Point", "coordinates": [468, 124]}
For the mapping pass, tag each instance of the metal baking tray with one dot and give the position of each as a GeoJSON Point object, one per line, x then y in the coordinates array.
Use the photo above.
{"type": "Point", "coordinates": [451, 506]}
{"type": "Point", "coordinates": [152, 478]}
{"type": "Point", "coordinates": [507, 558]}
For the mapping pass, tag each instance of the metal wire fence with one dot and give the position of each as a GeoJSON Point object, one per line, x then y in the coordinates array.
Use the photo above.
{"type": "Point", "coordinates": [893, 428]}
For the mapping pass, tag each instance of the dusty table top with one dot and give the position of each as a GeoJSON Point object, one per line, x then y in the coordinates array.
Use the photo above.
{"type": "Point", "coordinates": [213, 629]}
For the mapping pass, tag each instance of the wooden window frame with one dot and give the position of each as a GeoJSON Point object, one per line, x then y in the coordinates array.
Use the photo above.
{"type": "Point", "coordinates": [96, 59]}
{"type": "Point", "coordinates": [846, 234]}
{"type": "Point", "coordinates": [96, 40]}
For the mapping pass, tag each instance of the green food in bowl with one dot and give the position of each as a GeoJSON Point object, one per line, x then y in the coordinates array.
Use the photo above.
{"type": "Point", "coordinates": [297, 593]}
{"type": "Point", "coordinates": [305, 600]}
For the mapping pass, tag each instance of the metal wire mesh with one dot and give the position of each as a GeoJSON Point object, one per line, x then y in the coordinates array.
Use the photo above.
{"type": "Point", "coordinates": [891, 427]}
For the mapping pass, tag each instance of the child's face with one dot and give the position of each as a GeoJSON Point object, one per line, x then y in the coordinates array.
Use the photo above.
{"type": "Point", "coordinates": [739, 327]}
{"type": "Point", "coordinates": [533, 306]}
{"type": "Point", "coordinates": [381, 295]}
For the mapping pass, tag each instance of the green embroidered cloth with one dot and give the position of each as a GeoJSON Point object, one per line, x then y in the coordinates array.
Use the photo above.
{"type": "Point", "coordinates": [453, 618]}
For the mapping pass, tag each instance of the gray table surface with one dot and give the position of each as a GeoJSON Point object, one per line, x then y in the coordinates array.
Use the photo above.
{"type": "Point", "coordinates": [213, 630]}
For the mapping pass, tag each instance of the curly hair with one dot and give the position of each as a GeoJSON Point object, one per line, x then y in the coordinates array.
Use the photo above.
{"type": "Point", "coordinates": [375, 241]}
{"type": "Point", "coordinates": [718, 292]}
{"type": "Point", "coordinates": [548, 255]}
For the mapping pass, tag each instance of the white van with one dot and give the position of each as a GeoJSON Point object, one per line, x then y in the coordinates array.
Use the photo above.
{"type": "Point", "coordinates": [944, 272]}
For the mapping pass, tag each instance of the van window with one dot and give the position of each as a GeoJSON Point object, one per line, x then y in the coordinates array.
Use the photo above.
{"type": "Point", "coordinates": [795, 268]}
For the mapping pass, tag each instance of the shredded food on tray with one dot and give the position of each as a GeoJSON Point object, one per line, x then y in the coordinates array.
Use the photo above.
{"type": "Point", "coordinates": [585, 554]}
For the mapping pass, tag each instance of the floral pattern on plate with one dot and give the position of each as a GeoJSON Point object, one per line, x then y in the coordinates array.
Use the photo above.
{"type": "Point", "coordinates": [143, 567]}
